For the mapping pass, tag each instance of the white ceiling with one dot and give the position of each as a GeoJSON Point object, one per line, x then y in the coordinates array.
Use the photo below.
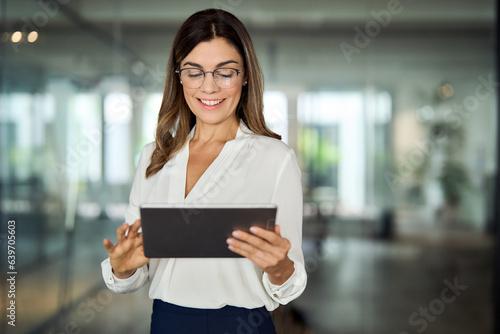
{"type": "Point", "coordinates": [259, 12]}
{"type": "Point", "coordinates": [89, 39]}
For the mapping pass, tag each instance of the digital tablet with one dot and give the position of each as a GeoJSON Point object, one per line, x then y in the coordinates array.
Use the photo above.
{"type": "Point", "coordinates": [187, 231]}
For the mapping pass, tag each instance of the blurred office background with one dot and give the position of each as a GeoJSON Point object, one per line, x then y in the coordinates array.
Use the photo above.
{"type": "Point", "coordinates": [390, 105]}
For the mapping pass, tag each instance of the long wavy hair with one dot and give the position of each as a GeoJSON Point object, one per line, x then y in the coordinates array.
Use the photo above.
{"type": "Point", "coordinates": [175, 119]}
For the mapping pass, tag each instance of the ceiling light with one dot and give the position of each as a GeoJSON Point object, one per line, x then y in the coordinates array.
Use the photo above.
{"type": "Point", "coordinates": [16, 37]}
{"type": "Point", "coordinates": [32, 36]}
{"type": "Point", "coordinates": [445, 91]}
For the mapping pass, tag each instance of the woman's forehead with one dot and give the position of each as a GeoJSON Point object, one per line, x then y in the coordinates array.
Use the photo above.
{"type": "Point", "coordinates": [213, 53]}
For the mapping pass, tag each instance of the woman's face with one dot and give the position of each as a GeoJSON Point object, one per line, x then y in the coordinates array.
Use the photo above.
{"type": "Point", "coordinates": [209, 103]}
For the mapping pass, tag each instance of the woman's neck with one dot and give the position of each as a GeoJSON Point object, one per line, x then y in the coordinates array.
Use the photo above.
{"type": "Point", "coordinates": [223, 132]}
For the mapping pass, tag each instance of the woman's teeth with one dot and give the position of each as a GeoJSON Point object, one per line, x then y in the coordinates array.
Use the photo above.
{"type": "Point", "coordinates": [211, 102]}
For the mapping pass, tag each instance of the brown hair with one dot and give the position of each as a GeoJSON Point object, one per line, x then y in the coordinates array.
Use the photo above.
{"type": "Point", "coordinates": [175, 119]}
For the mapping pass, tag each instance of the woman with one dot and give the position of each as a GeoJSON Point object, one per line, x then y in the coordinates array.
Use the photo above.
{"type": "Point", "coordinates": [212, 146]}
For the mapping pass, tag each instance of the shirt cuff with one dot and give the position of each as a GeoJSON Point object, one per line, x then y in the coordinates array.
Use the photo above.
{"type": "Point", "coordinates": [290, 290]}
{"type": "Point", "coordinates": [126, 285]}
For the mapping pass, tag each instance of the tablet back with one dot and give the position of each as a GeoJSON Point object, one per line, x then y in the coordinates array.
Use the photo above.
{"type": "Point", "coordinates": [182, 231]}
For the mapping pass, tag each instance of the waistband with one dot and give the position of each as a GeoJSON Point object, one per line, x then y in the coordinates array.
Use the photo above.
{"type": "Point", "coordinates": [161, 306]}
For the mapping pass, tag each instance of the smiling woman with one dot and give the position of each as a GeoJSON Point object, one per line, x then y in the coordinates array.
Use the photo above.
{"type": "Point", "coordinates": [175, 115]}
{"type": "Point", "coordinates": [213, 146]}
{"type": "Point", "coordinates": [213, 102]}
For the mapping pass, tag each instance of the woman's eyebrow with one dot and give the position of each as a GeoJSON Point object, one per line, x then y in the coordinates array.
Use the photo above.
{"type": "Point", "coordinates": [226, 62]}
{"type": "Point", "coordinates": [218, 65]}
{"type": "Point", "coordinates": [192, 64]}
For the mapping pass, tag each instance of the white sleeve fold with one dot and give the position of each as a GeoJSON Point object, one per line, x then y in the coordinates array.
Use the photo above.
{"type": "Point", "coordinates": [289, 290]}
{"type": "Point", "coordinates": [288, 197]}
{"type": "Point", "coordinates": [127, 285]}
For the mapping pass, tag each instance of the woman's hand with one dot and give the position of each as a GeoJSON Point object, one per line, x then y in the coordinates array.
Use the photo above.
{"type": "Point", "coordinates": [267, 249]}
{"type": "Point", "coordinates": [128, 254]}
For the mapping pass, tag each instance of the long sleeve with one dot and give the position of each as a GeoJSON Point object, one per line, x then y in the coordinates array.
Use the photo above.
{"type": "Point", "coordinates": [132, 213]}
{"type": "Point", "coordinates": [141, 276]}
{"type": "Point", "coordinates": [128, 285]}
{"type": "Point", "coordinates": [288, 197]}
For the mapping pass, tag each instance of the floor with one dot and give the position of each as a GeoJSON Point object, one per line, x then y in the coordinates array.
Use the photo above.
{"type": "Point", "coordinates": [399, 287]}
{"type": "Point", "coordinates": [434, 280]}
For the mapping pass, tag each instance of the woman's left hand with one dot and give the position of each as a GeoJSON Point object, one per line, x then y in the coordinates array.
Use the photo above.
{"type": "Point", "coordinates": [267, 249]}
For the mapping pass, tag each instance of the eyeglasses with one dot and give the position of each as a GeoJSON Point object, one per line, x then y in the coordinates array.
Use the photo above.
{"type": "Point", "coordinates": [193, 78]}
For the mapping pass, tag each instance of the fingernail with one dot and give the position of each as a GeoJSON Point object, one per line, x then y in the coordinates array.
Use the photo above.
{"type": "Point", "coordinates": [254, 229]}
{"type": "Point", "coordinates": [230, 241]}
{"type": "Point", "coordinates": [237, 234]}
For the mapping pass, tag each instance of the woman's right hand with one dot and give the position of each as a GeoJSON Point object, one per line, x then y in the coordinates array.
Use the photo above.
{"type": "Point", "coordinates": [128, 254]}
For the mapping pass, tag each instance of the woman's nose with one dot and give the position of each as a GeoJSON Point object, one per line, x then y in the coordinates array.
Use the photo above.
{"type": "Point", "coordinates": [209, 85]}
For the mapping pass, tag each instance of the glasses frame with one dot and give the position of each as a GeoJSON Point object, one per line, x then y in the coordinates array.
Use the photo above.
{"type": "Point", "coordinates": [205, 75]}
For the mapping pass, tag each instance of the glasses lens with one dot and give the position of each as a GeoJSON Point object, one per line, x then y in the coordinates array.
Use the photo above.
{"type": "Point", "coordinates": [225, 77]}
{"type": "Point", "coordinates": [192, 77]}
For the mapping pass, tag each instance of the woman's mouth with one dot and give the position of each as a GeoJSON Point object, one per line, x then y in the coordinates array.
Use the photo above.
{"type": "Point", "coordinates": [211, 102]}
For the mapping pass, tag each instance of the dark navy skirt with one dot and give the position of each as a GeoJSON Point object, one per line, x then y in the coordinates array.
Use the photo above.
{"type": "Point", "coordinates": [172, 319]}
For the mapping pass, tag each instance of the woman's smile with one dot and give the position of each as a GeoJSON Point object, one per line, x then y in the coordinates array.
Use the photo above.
{"type": "Point", "coordinates": [210, 103]}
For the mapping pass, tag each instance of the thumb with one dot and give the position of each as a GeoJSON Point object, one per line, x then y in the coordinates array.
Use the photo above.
{"type": "Point", "coordinates": [277, 230]}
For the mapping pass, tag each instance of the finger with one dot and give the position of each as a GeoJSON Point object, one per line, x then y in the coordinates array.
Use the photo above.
{"type": "Point", "coordinates": [238, 247]}
{"type": "Point", "coordinates": [270, 236]}
{"type": "Point", "coordinates": [253, 240]}
{"type": "Point", "coordinates": [277, 230]}
{"type": "Point", "coordinates": [108, 245]}
{"type": "Point", "coordinates": [139, 241]}
{"type": "Point", "coordinates": [142, 253]}
{"type": "Point", "coordinates": [120, 232]}
{"type": "Point", "coordinates": [249, 250]}
{"type": "Point", "coordinates": [260, 258]}
{"type": "Point", "coordinates": [274, 246]}
{"type": "Point", "coordinates": [132, 233]}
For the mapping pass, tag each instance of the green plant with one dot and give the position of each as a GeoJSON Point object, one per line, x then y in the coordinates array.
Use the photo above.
{"type": "Point", "coordinates": [453, 179]}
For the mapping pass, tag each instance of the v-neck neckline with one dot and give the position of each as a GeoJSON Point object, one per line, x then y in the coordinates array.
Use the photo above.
{"type": "Point", "coordinates": [206, 172]}
{"type": "Point", "coordinates": [213, 166]}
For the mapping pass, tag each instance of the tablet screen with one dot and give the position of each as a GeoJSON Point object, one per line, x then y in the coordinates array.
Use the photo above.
{"type": "Point", "coordinates": [187, 231]}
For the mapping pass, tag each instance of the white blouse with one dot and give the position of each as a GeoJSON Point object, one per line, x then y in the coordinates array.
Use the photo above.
{"type": "Point", "coordinates": [249, 169]}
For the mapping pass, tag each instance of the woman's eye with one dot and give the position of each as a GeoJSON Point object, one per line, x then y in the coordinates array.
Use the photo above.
{"type": "Point", "coordinates": [225, 74]}
{"type": "Point", "coordinates": [193, 73]}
